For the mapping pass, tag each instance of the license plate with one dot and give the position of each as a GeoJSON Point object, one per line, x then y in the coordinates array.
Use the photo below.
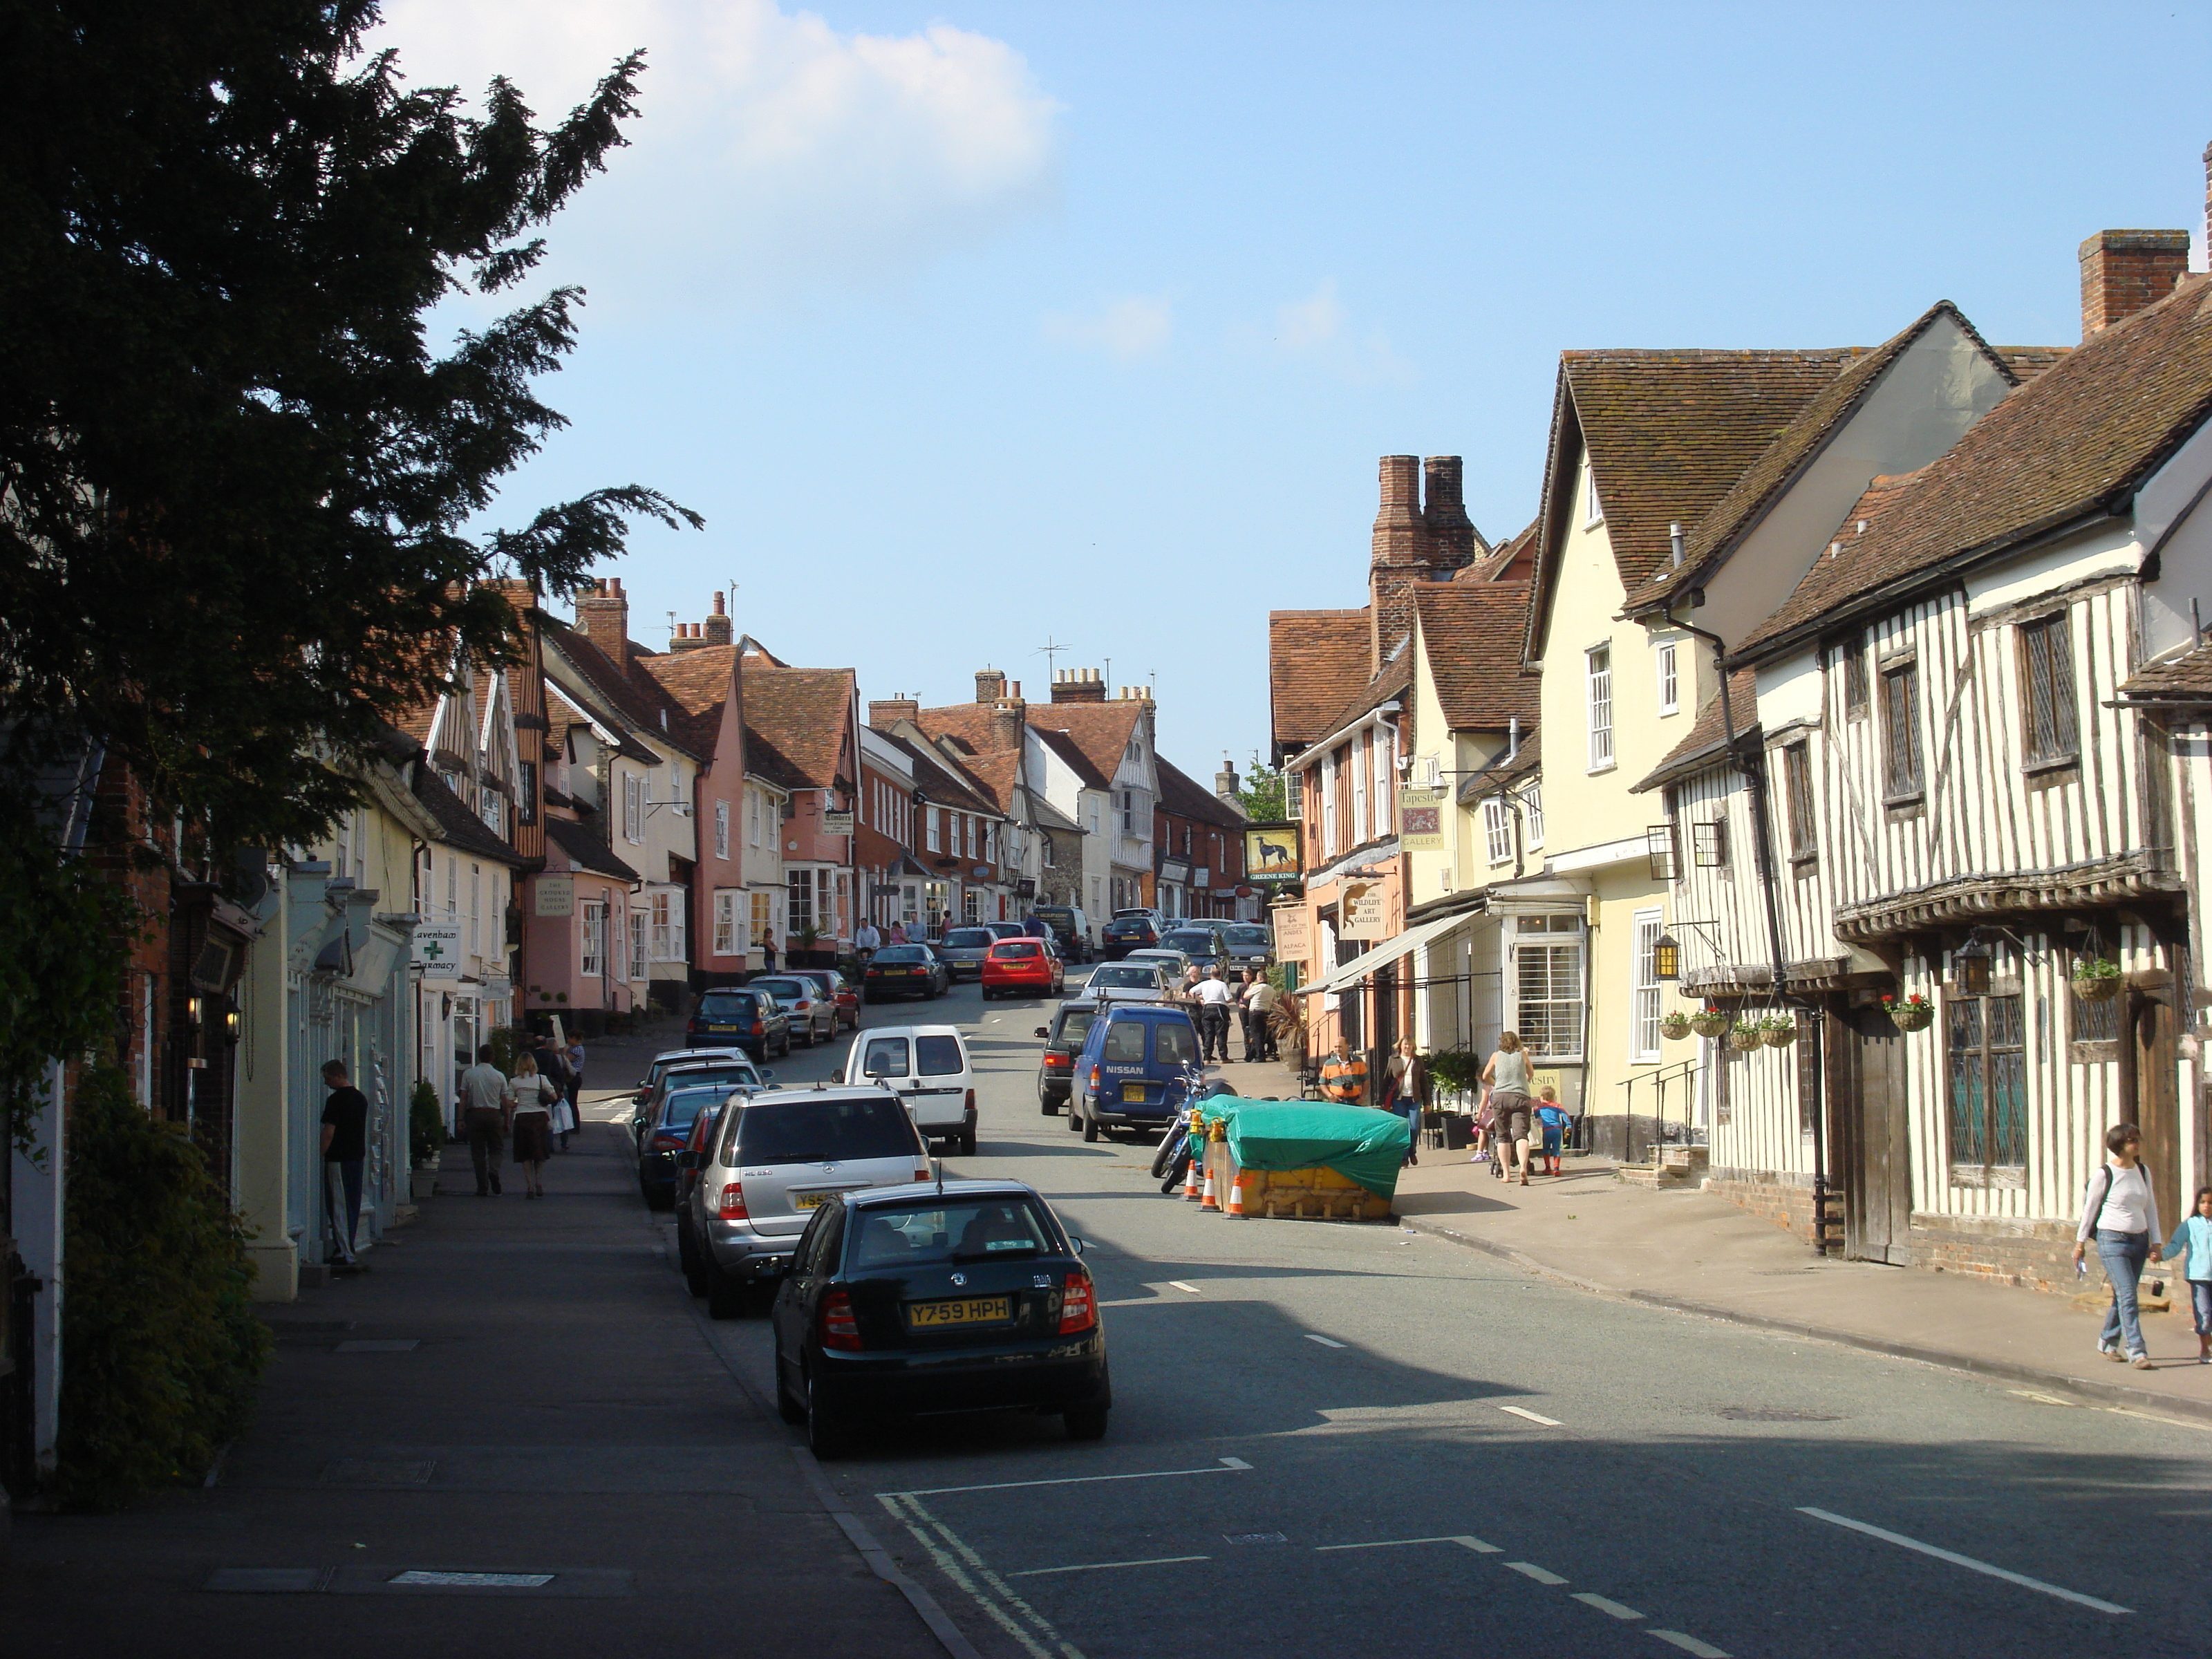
{"type": "Point", "coordinates": [905, 970]}
{"type": "Point", "coordinates": [808, 1200]}
{"type": "Point", "coordinates": [965, 1310]}
{"type": "Point", "coordinates": [1133, 1091]}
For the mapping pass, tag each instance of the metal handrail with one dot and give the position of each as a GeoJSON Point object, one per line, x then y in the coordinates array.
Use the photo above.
{"type": "Point", "coordinates": [1687, 1135]}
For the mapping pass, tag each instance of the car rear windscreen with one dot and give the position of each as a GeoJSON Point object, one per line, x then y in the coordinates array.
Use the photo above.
{"type": "Point", "coordinates": [939, 1056]}
{"type": "Point", "coordinates": [681, 1109]}
{"type": "Point", "coordinates": [1074, 1024]}
{"type": "Point", "coordinates": [1251, 939]}
{"type": "Point", "coordinates": [1014, 949]}
{"type": "Point", "coordinates": [824, 1131]}
{"type": "Point", "coordinates": [903, 953]}
{"type": "Point", "coordinates": [1125, 1043]}
{"type": "Point", "coordinates": [883, 1240]}
{"type": "Point", "coordinates": [969, 937]}
{"type": "Point", "coordinates": [1127, 979]}
{"type": "Point", "coordinates": [1174, 1043]}
{"type": "Point", "coordinates": [1190, 942]}
{"type": "Point", "coordinates": [726, 1076]}
{"type": "Point", "coordinates": [793, 988]}
{"type": "Point", "coordinates": [726, 1005]}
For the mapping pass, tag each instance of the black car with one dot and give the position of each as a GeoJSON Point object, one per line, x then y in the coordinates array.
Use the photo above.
{"type": "Point", "coordinates": [1063, 1040]}
{"type": "Point", "coordinates": [1067, 928]}
{"type": "Point", "coordinates": [959, 1296]}
{"type": "Point", "coordinates": [1200, 943]}
{"type": "Point", "coordinates": [750, 1019]}
{"type": "Point", "coordinates": [1124, 935]}
{"type": "Point", "coordinates": [904, 971]}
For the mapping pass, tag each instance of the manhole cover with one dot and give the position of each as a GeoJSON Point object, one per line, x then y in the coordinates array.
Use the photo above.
{"type": "Point", "coordinates": [1256, 1537]}
{"type": "Point", "coordinates": [1775, 1414]}
{"type": "Point", "coordinates": [377, 1471]}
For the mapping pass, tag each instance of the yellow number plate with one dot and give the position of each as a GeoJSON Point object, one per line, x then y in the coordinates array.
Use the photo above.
{"type": "Point", "coordinates": [808, 1200]}
{"type": "Point", "coordinates": [967, 1310]}
{"type": "Point", "coordinates": [1132, 1091]}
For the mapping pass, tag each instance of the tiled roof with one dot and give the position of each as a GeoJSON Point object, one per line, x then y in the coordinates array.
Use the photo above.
{"type": "Point", "coordinates": [997, 773]}
{"type": "Point", "coordinates": [1394, 681]}
{"type": "Point", "coordinates": [1704, 742]}
{"type": "Point", "coordinates": [698, 683]}
{"type": "Point", "coordinates": [2185, 678]}
{"type": "Point", "coordinates": [1317, 660]}
{"type": "Point", "coordinates": [2028, 362]}
{"type": "Point", "coordinates": [934, 776]}
{"type": "Point", "coordinates": [1187, 798]}
{"type": "Point", "coordinates": [638, 697]}
{"type": "Point", "coordinates": [2077, 440]}
{"type": "Point", "coordinates": [1069, 750]}
{"type": "Point", "coordinates": [1528, 762]}
{"type": "Point", "coordinates": [1472, 633]}
{"type": "Point", "coordinates": [1518, 549]}
{"type": "Point", "coordinates": [797, 717]}
{"type": "Point", "coordinates": [1100, 730]}
{"type": "Point", "coordinates": [457, 825]}
{"type": "Point", "coordinates": [586, 849]}
{"type": "Point", "coordinates": [1795, 448]}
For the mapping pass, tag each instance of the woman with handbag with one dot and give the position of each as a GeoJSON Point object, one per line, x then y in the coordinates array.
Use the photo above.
{"type": "Point", "coordinates": [1407, 1091]}
{"type": "Point", "coordinates": [2119, 1210]}
{"type": "Point", "coordinates": [531, 1096]}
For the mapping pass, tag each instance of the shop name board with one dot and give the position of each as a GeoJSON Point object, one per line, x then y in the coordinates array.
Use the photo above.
{"type": "Point", "coordinates": [1362, 912]}
{"type": "Point", "coordinates": [1420, 819]}
{"type": "Point", "coordinates": [437, 949]}
{"type": "Point", "coordinates": [1271, 853]}
{"type": "Point", "coordinates": [555, 895]}
{"type": "Point", "coordinates": [1293, 936]}
{"type": "Point", "coordinates": [836, 823]}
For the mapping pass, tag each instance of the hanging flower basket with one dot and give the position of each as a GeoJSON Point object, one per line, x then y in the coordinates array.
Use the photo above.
{"type": "Point", "coordinates": [1780, 1031]}
{"type": "Point", "coordinates": [2096, 978]}
{"type": "Point", "coordinates": [1709, 1022]}
{"type": "Point", "coordinates": [1745, 1035]}
{"type": "Point", "coordinates": [1675, 1026]}
{"type": "Point", "coordinates": [1912, 1014]}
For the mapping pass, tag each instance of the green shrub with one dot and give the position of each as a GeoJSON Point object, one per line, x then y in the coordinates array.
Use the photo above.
{"type": "Point", "coordinates": [1458, 1069]}
{"type": "Point", "coordinates": [426, 1124]}
{"type": "Point", "coordinates": [506, 1042]}
{"type": "Point", "coordinates": [160, 1346]}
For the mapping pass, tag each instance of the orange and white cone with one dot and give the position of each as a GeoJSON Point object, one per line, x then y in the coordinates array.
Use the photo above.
{"type": "Point", "coordinates": [1209, 1201]}
{"type": "Point", "coordinates": [1193, 1180]}
{"type": "Point", "coordinates": [1235, 1209]}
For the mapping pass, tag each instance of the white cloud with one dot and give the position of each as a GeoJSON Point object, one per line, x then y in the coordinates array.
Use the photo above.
{"type": "Point", "coordinates": [1136, 325]}
{"type": "Point", "coordinates": [772, 152]}
{"type": "Point", "coordinates": [1314, 329]}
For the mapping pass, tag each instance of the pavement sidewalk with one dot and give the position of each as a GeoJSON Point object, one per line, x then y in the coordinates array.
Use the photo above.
{"type": "Point", "coordinates": [1691, 1250]}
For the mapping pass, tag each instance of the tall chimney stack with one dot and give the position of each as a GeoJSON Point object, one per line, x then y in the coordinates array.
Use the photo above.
{"type": "Point", "coordinates": [990, 685]}
{"type": "Point", "coordinates": [1225, 783]}
{"type": "Point", "coordinates": [1443, 515]}
{"type": "Point", "coordinates": [1401, 549]}
{"type": "Point", "coordinates": [603, 617]}
{"type": "Point", "coordinates": [1077, 685]}
{"type": "Point", "coordinates": [2124, 270]}
{"type": "Point", "coordinates": [716, 628]}
{"type": "Point", "coordinates": [889, 711]}
{"type": "Point", "coordinates": [1009, 719]}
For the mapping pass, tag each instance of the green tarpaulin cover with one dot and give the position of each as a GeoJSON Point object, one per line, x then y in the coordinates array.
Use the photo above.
{"type": "Point", "coordinates": [1360, 1144]}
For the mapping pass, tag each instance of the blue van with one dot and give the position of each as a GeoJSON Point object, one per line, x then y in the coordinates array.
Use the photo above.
{"type": "Point", "coordinates": [1134, 1069]}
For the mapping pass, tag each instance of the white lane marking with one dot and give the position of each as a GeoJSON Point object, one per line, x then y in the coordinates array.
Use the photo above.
{"type": "Point", "coordinates": [1605, 1604]}
{"type": "Point", "coordinates": [1958, 1560]}
{"type": "Point", "coordinates": [1177, 1285]}
{"type": "Point", "coordinates": [1533, 1417]}
{"type": "Point", "coordinates": [1530, 1570]}
{"type": "Point", "coordinates": [1104, 1566]}
{"type": "Point", "coordinates": [998, 1585]}
{"type": "Point", "coordinates": [2039, 1398]}
{"type": "Point", "coordinates": [1674, 1638]}
{"type": "Point", "coordinates": [1225, 1466]}
{"type": "Point", "coordinates": [1461, 1540]}
{"type": "Point", "coordinates": [958, 1576]}
{"type": "Point", "coordinates": [1326, 1341]}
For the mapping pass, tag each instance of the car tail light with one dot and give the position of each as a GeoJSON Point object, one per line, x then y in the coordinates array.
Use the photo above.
{"type": "Point", "coordinates": [921, 1174]}
{"type": "Point", "coordinates": [669, 1140]}
{"type": "Point", "coordinates": [971, 1100]}
{"type": "Point", "coordinates": [1055, 1062]}
{"type": "Point", "coordinates": [759, 1027]}
{"type": "Point", "coordinates": [731, 1206]}
{"type": "Point", "coordinates": [839, 1328]}
{"type": "Point", "coordinates": [1077, 1311]}
{"type": "Point", "coordinates": [1094, 1077]}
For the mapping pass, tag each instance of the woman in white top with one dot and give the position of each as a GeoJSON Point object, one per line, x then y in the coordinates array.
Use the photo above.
{"type": "Point", "coordinates": [2120, 1210]}
{"type": "Point", "coordinates": [530, 1097]}
{"type": "Point", "coordinates": [1507, 1074]}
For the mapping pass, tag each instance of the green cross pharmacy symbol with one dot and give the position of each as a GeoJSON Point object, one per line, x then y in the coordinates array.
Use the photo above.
{"type": "Point", "coordinates": [432, 951]}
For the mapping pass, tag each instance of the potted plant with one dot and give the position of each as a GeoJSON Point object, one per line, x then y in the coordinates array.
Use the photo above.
{"type": "Point", "coordinates": [1708, 1021]}
{"type": "Point", "coordinates": [1910, 1013]}
{"type": "Point", "coordinates": [1779, 1030]}
{"type": "Point", "coordinates": [2096, 978]}
{"type": "Point", "coordinates": [1675, 1026]}
{"type": "Point", "coordinates": [1746, 1035]}
{"type": "Point", "coordinates": [426, 1135]}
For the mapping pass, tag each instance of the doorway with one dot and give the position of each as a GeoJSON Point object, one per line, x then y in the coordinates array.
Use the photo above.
{"type": "Point", "coordinates": [2149, 1032]}
{"type": "Point", "coordinates": [1865, 1083]}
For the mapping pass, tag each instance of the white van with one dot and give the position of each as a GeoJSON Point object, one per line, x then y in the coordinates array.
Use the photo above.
{"type": "Point", "coordinates": [926, 1067]}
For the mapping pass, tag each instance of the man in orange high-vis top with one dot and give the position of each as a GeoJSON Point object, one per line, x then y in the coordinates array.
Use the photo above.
{"type": "Point", "coordinates": [1344, 1076]}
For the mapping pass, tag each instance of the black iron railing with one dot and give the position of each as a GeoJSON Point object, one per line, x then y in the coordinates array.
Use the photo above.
{"type": "Point", "coordinates": [1672, 1117]}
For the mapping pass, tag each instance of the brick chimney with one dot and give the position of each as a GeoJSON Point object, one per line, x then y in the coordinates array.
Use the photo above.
{"type": "Point", "coordinates": [1009, 717]}
{"type": "Point", "coordinates": [889, 711]}
{"type": "Point", "coordinates": [2124, 270]}
{"type": "Point", "coordinates": [715, 630]}
{"type": "Point", "coordinates": [1077, 685]}
{"type": "Point", "coordinates": [1451, 537]}
{"type": "Point", "coordinates": [686, 637]}
{"type": "Point", "coordinates": [1225, 783]}
{"type": "Point", "coordinates": [1401, 550]}
{"type": "Point", "coordinates": [603, 617]}
{"type": "Point", "coordinates": [990, 685]}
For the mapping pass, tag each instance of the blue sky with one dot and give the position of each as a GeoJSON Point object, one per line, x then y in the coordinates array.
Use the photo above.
{"type": "Point", "coordinates": [970, 327]}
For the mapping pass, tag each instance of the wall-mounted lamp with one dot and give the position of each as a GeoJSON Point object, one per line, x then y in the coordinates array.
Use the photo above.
{"type": "Point", "coordinates": [234, 1024]}
{"type": "Point", "coordinates": [1970, 966]}
{"type": "Point", "coordinates": [195, 1005]}
{"type": "Point", "coordinates": [1667, 958]}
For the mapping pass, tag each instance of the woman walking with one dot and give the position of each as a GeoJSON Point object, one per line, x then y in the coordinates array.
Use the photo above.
{"type": "Point", "coordinates": [575, 1117]}
{"type": "Point", "coordinates": [531, 1095]}
{"type": "Point", "coordinates": [2121, 1212]}
{"type": "Point", "coordinates": [1408, 1092]}
{"type": "Point", "coordinates": [1507, 1074]}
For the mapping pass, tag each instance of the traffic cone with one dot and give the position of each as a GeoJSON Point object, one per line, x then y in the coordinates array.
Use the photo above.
{"type": "Point", "coordinates": [1209, 1201]}
{"type": "Point", "coordinates": [1235, 1211]}
{"type": "Point", "coordinates": [1191, 1181]}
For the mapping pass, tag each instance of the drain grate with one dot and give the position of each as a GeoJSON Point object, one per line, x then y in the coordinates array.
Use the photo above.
{"type": "Point", "coordinates": [1256, 1537]}
{"type": "Point", "coordinates": [1775, 1414]}
{"type": "Point", "coordinates": [377, 1471]}
{"type": "Point", "coordinates": [381, 1345]}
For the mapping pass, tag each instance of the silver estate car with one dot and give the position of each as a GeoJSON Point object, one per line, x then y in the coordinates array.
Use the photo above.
{"type": "Point", "coordinates": [775, 1159]}
{"type": "Point", "coordinates": [962, 950]}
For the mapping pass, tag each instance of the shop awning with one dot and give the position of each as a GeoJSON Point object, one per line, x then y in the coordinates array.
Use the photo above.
{"type": "Point", "coordinates": [1384, 954]}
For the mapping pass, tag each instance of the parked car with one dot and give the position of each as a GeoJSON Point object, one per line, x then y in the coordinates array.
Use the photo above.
{"type": "Point", "coordinates": [922, 1299]}
{"type": "Point", "coordinates": [1125, 933]}
{"type": "Point", "coordinates": [1127, 982]}
{"type": "Point", "coordinates": [742, 1015]}
{"type": "Point", "coordinates": [1023, 967]}
{"type": "Point", "coordinates": [1006, 929]}
{"type": "Point", "coordinates": [1251, 947]}
{"type": "Point", "coordinates": [841, 990]}
{"type": "Point", "coordinates": [1134, 1069]}
{"type": "Point", "coordinates": [775, 1161]}
{"type": "Point", "coordinates": [704, 1129]}
{"type": "Point", "coordinates": [926, 1067]}
{"type": "Point", "coordinates": [1198, 941]}
{"type": "Point", "coordinates": [731, 1071]}
{"type": "Point", "coordinates": [1171, 961]}
{"type": "Point", "coordinates": [670, 1057]}
{"type": "Point", "coordinates": [812, 1014]}
{"type": "Point", "coordinates": [962, 952]}
{"type": "Point", "coordinates": [662, 1136]}
{"type": "Point", "coordinates": [1062, 1037]}
{"type": "Point", "coordinates": [904, 971]}
{"type": "Point", "coordinates": [1071, 927]}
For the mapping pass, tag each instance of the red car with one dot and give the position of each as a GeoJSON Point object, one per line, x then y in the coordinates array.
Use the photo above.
{"type": "Point", "coordinates": [1023, 967]}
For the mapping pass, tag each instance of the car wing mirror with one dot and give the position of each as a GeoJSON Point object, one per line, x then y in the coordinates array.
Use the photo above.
{"type": "Point", "coordinates": [767, 1075]}
{"type": "Point", "coordinates": [1044, 1030]}
{"type": "Point", "coordinates": [1075, 1244]}
{"type": "Point", "coordinates": [837, 1076]}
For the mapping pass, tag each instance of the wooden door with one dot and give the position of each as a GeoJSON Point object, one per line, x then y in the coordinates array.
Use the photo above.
{"type": "Point", "coordinates": [2157, 1107]}
{"type": "Point", "coordinates": [1868, 1098]}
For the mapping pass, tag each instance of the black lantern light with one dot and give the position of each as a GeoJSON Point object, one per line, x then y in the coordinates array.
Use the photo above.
{"type": "Point", "coordinates": [1667, 958]}
{"type": "Point", "coordinates": [234, 1023]}
{"type": "Point", "coordinates": [1970, 967]}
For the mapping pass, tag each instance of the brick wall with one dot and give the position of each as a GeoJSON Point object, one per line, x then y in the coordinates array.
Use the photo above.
{"type": "Point", "coordinates": [1783, 1203]}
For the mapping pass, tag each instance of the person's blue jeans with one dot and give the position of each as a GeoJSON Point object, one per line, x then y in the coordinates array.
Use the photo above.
{"type": "Point", "coordinates": [1410, 1110]}
{"type": "Point", "coordinates": [2200, 1298]}
{"type": "Point", "coordinates": [2123, 1255]}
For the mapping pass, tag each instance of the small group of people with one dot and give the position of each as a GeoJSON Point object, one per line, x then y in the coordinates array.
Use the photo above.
{"type": "Point", "coordinates": [537, 1109]}
{"type": "Point", "coordinates": [1214, 1001]}
{"type": "Point", "coordinates": [2119, 1217]}
{"type": "Point", "coordinates": [1506, 1124]}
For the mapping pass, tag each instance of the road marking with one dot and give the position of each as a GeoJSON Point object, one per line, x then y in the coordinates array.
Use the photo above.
{"type": "Point", "coordinates": [1530, 1570]}
{"type": "Point", "coordinates": [1326, 1341]}
{"type": "Point", "coordinates": [1674, 1638]}
{"type": "Point", "coordinates": [422, 1577]}
{"type": "Point", "coordinates": [1224, 1466]}
{"type": "Point", "coordinates": [2039, 1398]}
{"type": "Point", "coordinates": [1533, 1417]}
{"type": "Point", "coordinates": [1461, 1540]}
{"type": "Point", "coordinates": [1177, 1285]}
{"type": "Point", "coordinates": [1958, 1560]}
{"type": "Point", "coordinates": [1001, 1608]}
{"type": "Point", "coordinates": [1591, 1599]}
{"type": "Point", "coordinates": [1104, 1566]}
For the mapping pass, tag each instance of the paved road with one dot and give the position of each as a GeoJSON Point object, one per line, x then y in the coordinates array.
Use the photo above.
{"type": "Point", "coordinates": [1328, 1439]}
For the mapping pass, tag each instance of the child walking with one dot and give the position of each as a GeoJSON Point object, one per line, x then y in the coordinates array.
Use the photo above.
{"type": "Point", "coordinates": [2194, 1234]}
{"type": "Point", "coordinates": [1554, 1120]}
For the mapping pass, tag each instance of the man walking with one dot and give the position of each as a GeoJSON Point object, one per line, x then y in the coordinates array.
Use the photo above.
{"type": "Point", "coordinates": [1213, 1000]}
{"type": "Point", "coordinates": [1344, 1076]}
{"type": "Point", "coordinates": [345, 1148]}
{"type": "Point", "coordinates": [1261, 997]}
{"type": "Point", "coordinates": [484, 1117]}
